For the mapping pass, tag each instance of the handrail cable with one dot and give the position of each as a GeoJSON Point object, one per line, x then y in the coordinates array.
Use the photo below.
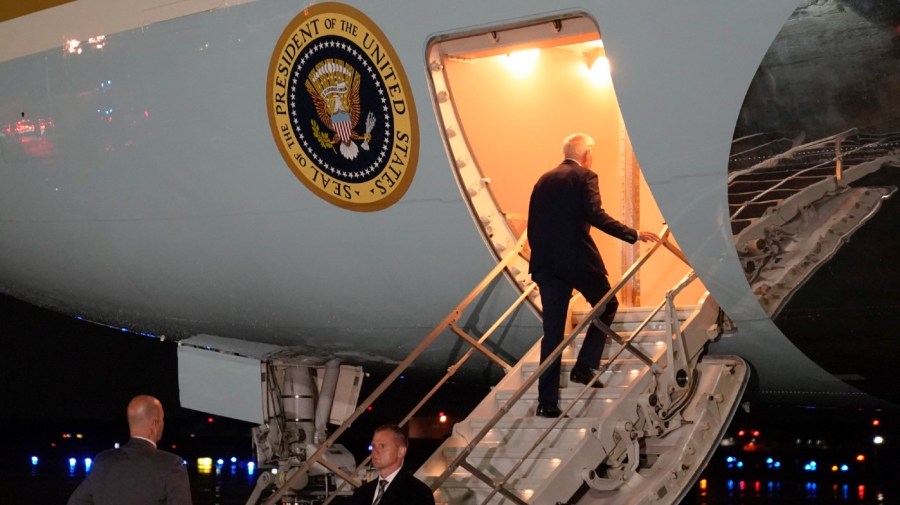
{"type": "Point", "coordinates": [503, 410]}
{"type": "Point", "coordinates": [451, 370]}
{"type": "Point", "coordinates": [626, 343]}
{"type": "Point", "coordinates": [448, 322]}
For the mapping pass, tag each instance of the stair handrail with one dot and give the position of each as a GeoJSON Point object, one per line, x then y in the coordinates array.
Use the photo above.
{"type": "Point", "coordinates": [448, 322]}
{"type": "Point", "coordinates": [836, 160]}
{"type": "Point", "coordinates": [625, 344]}
{"type": "Point", "coordinates": [567, 340]}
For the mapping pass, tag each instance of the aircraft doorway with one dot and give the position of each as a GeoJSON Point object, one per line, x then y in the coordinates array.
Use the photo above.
{"type": "Point", "coordinates": [506, 98]}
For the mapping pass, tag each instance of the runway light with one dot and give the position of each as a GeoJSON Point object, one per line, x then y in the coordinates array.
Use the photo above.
{"type": "Point", "coordinates": [34, 460]}
{"type": "Point", "coordinates": [845, 468]}
{"type": "Point", "coordinates": [72, 463]}
{"type": "Point", "coordinates": [87, 464]}
{"type": "Point", "coordinates": [233, 459]}
{"type": "Point", "coordinates": [204, 465]}
{"type": "Point", "coordinates": [878, 440]}
{"type": "Point", "coordinates": [251, 467]}
{"type": "Point", "coordinates": [810, 467]}
{"type": "Point", "coordinates": [876, 422]}
{"type": "Point", "coordinates": [860, 458]}
{"type": "Point", "coordinates": [834, 468]}
{"type": "Point", "coordinates": [220, 462]}
{"type": "Point", "coordinates": [442, 418]}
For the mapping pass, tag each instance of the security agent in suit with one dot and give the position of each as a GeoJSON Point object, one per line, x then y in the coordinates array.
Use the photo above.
{"type": "Point", "coordinates": [137, 473]}
{"type": "Point", "coordinates": [398, 485]}
{"type": "Point", "coordinates": [565, 204]}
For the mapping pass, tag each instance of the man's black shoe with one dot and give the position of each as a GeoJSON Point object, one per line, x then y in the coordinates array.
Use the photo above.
{"type": "Point", "coordinates": [548, 411]}
{"type": "Point", "coordinates": [584, 376]}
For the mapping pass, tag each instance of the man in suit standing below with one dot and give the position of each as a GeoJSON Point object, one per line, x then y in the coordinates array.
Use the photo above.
{"type": "Point", "coordinates": [395, 485]}
{"type": "Point", "coordinates": [565, 204]}
{"type": "Point", "coordinates": [137, 473]}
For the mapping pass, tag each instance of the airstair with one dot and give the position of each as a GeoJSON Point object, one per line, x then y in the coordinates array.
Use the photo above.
{"type": "Point", "coordinates": [619, 444]}
{"type": "Point", "coordinates": [793, 207]}
{"type": "Point", "coordinates": [642, 438]}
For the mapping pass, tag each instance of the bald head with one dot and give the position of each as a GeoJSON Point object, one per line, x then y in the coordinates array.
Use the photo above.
{"type": "Point", "coordinates": [145, 417]}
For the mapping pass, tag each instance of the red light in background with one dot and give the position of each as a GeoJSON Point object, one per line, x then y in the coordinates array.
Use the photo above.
{"type": "Point", "coordinates": [442, 418]}
{"type": "Point", "coordinates": [876, 422]}
{"type": "Point", "coordinates": [209, 419]}
{"type": "Point", "coordinates": [741, 433]}
{"type": "Point", "coordinates": [755, 433]}
{"type": "Point", "coordinates": [860, 458]}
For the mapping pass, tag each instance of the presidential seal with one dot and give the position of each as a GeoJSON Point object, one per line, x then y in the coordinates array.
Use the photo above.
{"type": "Point", "coordinates": [341, 109]}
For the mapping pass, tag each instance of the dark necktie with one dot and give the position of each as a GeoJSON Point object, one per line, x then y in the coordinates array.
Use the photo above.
{"type": "Point", "coordinates": [378, 494]}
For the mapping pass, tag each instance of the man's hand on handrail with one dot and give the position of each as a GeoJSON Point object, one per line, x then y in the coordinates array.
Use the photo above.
{"type": "Point", "coordinates": [647, 236]}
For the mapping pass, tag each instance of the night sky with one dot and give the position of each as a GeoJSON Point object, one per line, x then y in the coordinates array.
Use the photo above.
{"type": "Point", "coordinates": [57, 367]}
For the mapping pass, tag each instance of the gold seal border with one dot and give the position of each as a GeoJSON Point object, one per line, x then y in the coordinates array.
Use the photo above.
{"type": "Point", "coordinates": [412, 158]}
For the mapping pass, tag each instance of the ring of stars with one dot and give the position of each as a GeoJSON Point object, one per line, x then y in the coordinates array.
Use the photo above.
{"type": "Point", "coordinates": [363, 62]}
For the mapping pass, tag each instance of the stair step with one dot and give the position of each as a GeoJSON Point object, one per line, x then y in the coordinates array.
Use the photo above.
{"type": "Point", "coordinates": [499, 436]}
{"type": "Point", "coordinates": [621, 365]}
{"type": "Point", "coordinates": [611, 379]}
{"type": "Point", "coordinates": [496, 463]}
{"type": "Point", "coordinates": [592, 404]}
{"type": "Point", "coordinates": [537, 423]}
{"type": "Point", "coordinates": [463, 488]}
{"type": "Point", "coordinates": [625, 315]}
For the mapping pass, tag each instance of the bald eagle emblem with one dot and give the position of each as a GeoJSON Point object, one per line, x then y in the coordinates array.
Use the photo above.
{"type": "Point", "coordinates": [333, 86]}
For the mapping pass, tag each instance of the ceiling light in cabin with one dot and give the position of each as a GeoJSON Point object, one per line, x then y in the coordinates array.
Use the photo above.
{"type": "Point", "coordinates": [522, 63]}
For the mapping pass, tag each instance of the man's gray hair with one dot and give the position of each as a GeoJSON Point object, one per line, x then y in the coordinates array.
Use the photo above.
{"type": "Point", "coordinates": [575, 145]}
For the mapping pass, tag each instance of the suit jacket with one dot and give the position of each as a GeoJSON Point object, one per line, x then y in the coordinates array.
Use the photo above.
{"type": "Point", "coordinates": [135, 474]}
{"type": "Point", "coordinates": [564, 204]}
{"type": "Point", "coordinates": [405, 489]}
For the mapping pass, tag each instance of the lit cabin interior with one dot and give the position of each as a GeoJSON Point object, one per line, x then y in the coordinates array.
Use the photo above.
{"type": "Point", "coordinates": [506, 98]}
